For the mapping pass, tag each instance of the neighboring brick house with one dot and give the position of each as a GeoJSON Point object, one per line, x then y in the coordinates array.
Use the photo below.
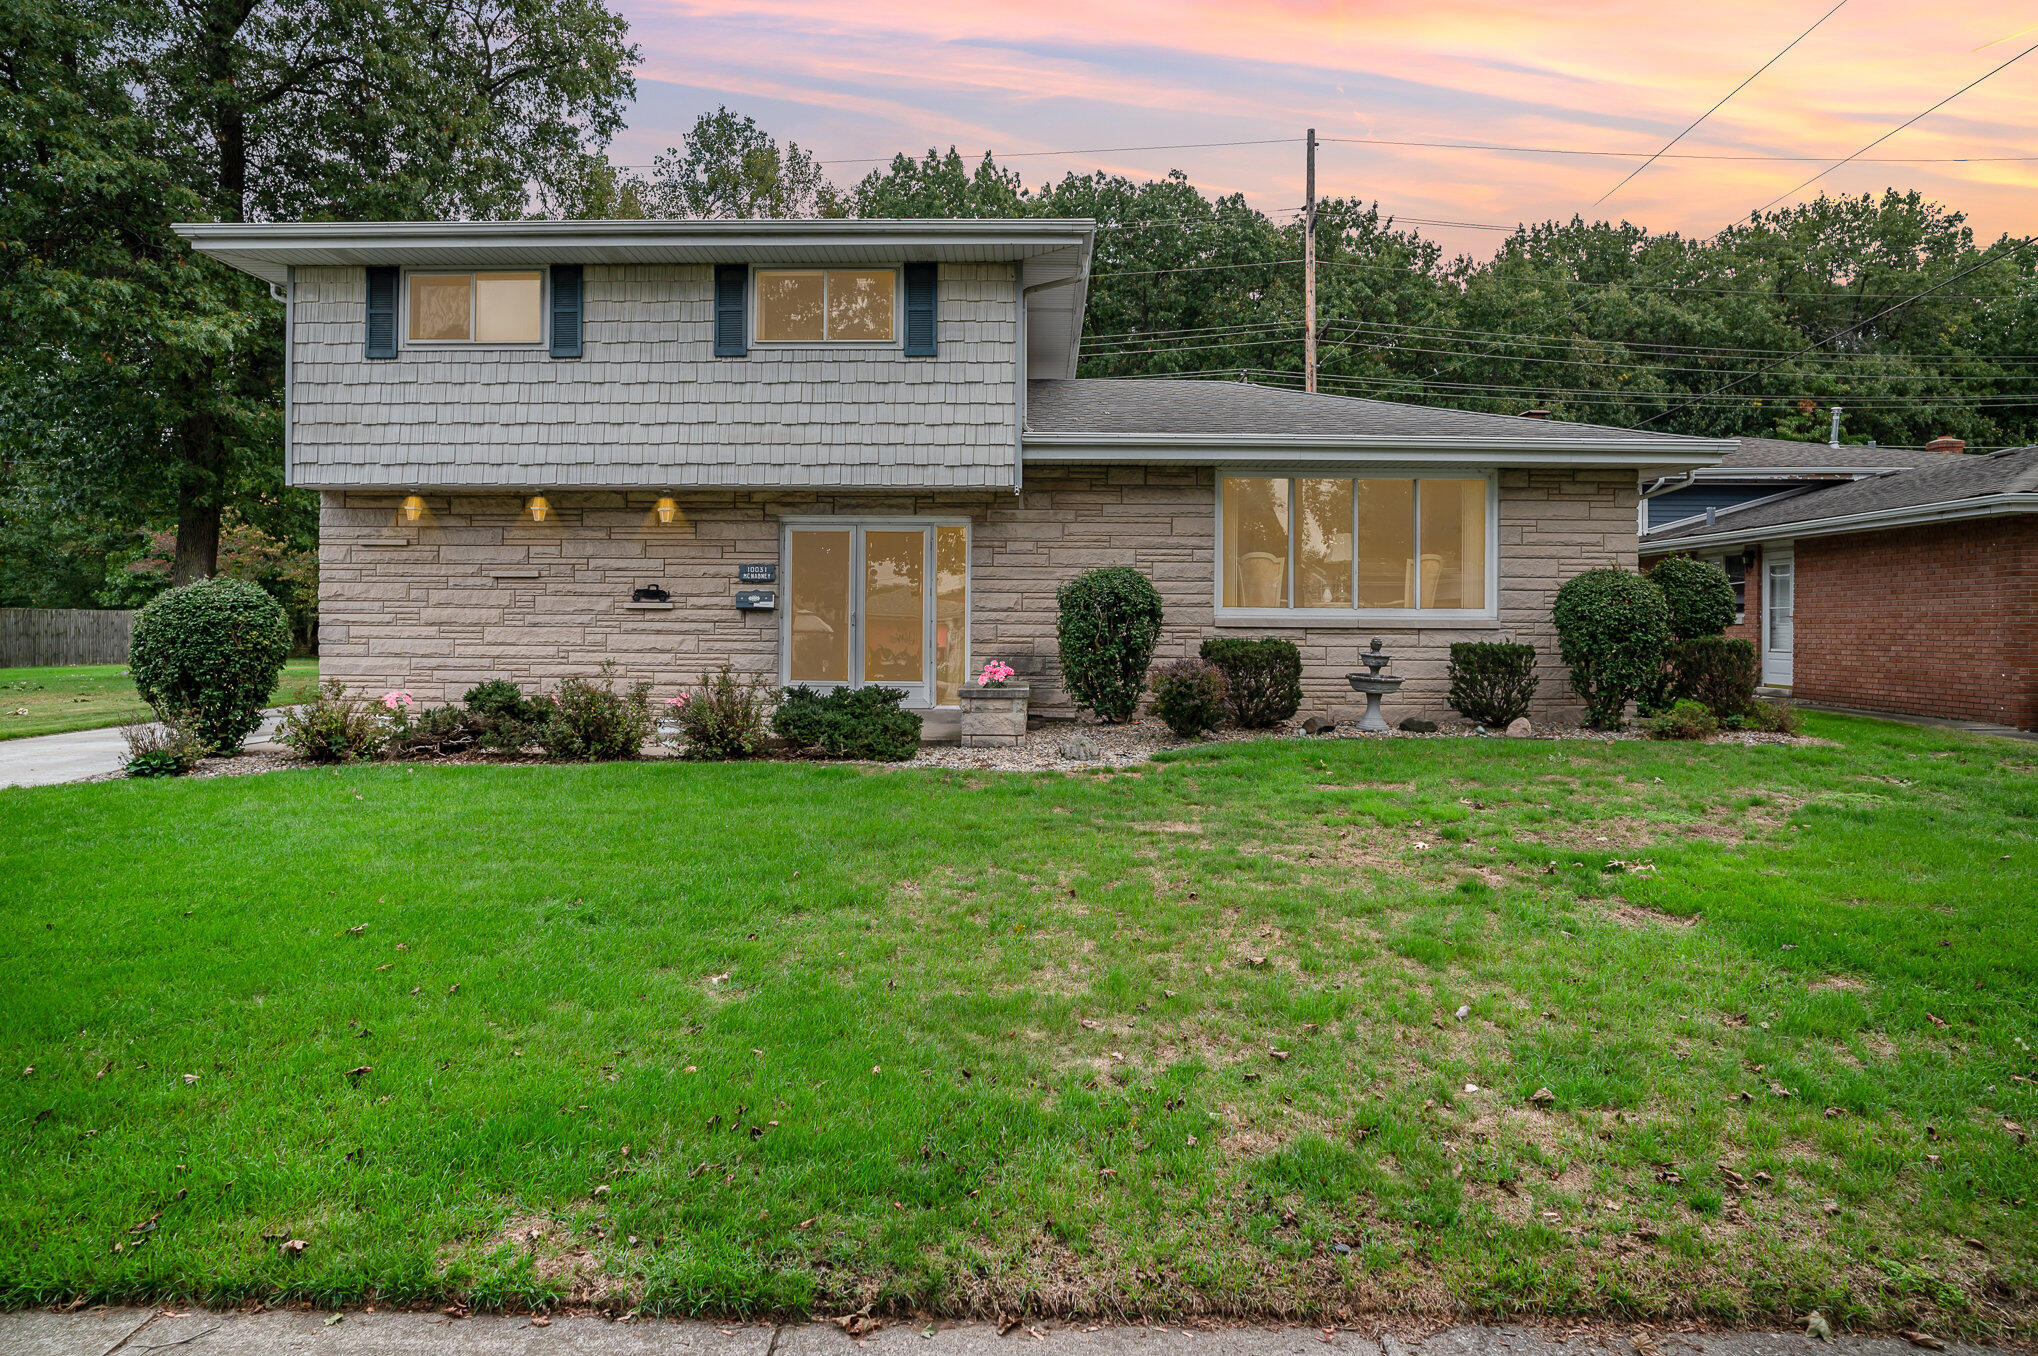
{"type": "Point", "coordinates": [855, 452]}
{"type": "Point", "coordinates": [1914, 591]}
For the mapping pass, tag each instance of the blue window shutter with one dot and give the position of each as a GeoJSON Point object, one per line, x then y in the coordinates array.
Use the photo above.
{"type": "Point", "coordinates": [923, 303]}
{"type": "Point", "coordinates": [732, 284]}
{"type": "Point", "coordinates": [566, 309]}
{"type": "Point", "coordinates": [381, 313]}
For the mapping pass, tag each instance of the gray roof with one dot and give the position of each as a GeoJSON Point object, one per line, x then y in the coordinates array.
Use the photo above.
{"type": "Point", "coordinates": [1147, 405]}
{"type": "Point", "coordinates": [1784, 454]}
{"type": "Point", "coordinates": [1949, 478]}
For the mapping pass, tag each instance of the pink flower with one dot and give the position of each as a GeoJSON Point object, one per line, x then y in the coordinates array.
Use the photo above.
{"type": "Point", "coordinates": [399, 698]}
{"type": "Point", "coordinates": [679, 703]}
{"type": "Point", "coordinates": [995, 673]}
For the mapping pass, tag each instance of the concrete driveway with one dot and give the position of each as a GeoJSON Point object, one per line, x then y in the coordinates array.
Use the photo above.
{"type": "Point", "coordinates": [46, 760]}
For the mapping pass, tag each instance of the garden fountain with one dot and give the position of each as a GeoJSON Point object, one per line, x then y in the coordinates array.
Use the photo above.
{"type": "Point", "coordinates": [1374, 686]}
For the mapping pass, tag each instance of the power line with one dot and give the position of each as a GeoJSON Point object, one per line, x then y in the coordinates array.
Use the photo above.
{"type": "Point", "coordinates": [1667, 155]}
{"type": "Point", "coordinates": [1716, 107]}
{"type": "Point", "coordinates": [1860, 323]}
{"type": "Point", "coordinates": [1548, 341]}
{"type": "Point", "coordinates": [1898, 128]}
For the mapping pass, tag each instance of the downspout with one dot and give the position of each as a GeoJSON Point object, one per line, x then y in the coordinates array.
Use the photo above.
{"type": "Point", "coordinates": [1019, 373]}
{"type": "Point", "coordinates": [289, 300]}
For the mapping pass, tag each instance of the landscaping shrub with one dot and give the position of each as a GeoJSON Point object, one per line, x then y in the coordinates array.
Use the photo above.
{"type": "Point", "coordinates": [1698, 594]}
{"type": "Point", "coordinates": [506, 719]}
{"type": "Point", "coordinates": [865, 722]}
{"type": "Point", "coordinates": [1109, 622]}
{"type": "Point", "coordinates": [213, 650]}
{"type": "Point", "coordinates": [436, 732]}
{"type": "Point", "coordinates": [1492, 682]}
{"type": "Point", "coordinates": [1684, 720]}
{"type": "Point", "coordinates": [723, 717]}
{"type": "Point", "coordinates": [1262, 679]}
{"type": "Point", "coordinates": [333, 727]}
{"type": "Point", "coordinates": [592, 722]}
{"type": "Point", "coordinates": [1720, 673]}
{"type": "Point", "coordinates": [1768, 717]}
{"type": "Point", "coordinates": [167, 747]}
{"type": "Point", "coordinates": [1188, 695]}
{"type": "Point", "coordinates": [1613, 630]}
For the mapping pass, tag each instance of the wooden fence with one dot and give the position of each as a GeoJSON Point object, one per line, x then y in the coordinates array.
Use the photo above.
{"type": "Point", "coordinates": [34, 637]}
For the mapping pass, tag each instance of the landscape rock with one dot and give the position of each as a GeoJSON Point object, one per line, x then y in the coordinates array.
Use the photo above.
{"type": "Point", "coordinates": [1319, 725]}
{"type": "Point", "coordinates": [1081, 749]}
{"type": "Point", "coordinates": [1519, 728]}
{"type": "Point", "coordinates": [1417, 725]}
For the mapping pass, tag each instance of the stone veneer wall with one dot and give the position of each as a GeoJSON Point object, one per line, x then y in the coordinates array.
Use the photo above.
{"type": "Point", "coordinates": [476, 590]}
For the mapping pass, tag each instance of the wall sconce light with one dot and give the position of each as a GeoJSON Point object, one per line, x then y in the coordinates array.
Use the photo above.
{"type": "Point", "coordinates": [413, 509]}
{"type": "Point", "coordinates": [666, 508]}
{"type": "Point", "coordinates": [538, 508]}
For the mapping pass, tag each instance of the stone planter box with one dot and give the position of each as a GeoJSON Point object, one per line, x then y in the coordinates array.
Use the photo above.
{"type": "Point", "coordinates": [993, 717]}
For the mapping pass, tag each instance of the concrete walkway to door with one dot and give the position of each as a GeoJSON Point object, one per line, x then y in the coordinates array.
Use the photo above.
{"type": "Point", "coordinates": [80, 755]}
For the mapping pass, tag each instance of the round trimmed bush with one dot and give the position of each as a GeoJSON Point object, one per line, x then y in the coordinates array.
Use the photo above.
{"type": "Point", "coordinates": [1110, 621]}
{"type": "Point", "coordinates": [1188, 695]}
{"type": "Point", "coordinates": [1613, 629]}
{"type": "Point", "coordinates": [1698, 593]}
{"type": "Point", "coordinates": [213, 649]}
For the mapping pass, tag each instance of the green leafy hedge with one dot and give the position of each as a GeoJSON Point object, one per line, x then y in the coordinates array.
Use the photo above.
{"type": "Point", "coordinates": [1262, 679]}
{"type": "Point", "coordinates": [865, 722]}
{"type": "Point", "coordinates": [1697, 592]}
{"type": "Point", "coordinates": [1109, 622]}
{"type": "Point", "coordinates": [1613, 630]}
{"type": "Point", "coordinates": [1721, 673]}
{"type": "Point", "coordinates": [212, 650]}
{"type": "Point", "coordinates": [1188, 696]}
{"type": "Point", "coordinates": [1492, 682]}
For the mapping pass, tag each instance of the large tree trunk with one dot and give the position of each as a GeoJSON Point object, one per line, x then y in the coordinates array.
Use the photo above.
{"type": "Point", "coordinates": [198, 496]}
{"type": "Point", "coordinates": [197, 543]}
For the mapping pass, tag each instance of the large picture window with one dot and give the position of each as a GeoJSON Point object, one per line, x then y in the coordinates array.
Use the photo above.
{"type": "Point", "coordinates": [826, 305]}
{"type": "Point", "coordinates": [476, 308]}
{"type": "Point", "coordinates": [1355, 545]}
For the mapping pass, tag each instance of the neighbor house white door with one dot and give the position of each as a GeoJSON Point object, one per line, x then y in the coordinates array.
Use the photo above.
{"type": "Point", "coordinates": [877, 602]}
{"type": "Point", "coordinates": [1779, 600]}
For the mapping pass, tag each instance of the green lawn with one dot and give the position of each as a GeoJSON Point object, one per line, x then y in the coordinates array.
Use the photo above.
{"type": "Point", "coordinates": [792, 1037]}
{"type": "Point", "coordinates": [94, 696]}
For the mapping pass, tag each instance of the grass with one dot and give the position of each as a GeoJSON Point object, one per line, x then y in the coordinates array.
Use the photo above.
{"type": "Point", "coordinates": [785, 1038]}
{"type": "Point", "coordinates": [40, 701]}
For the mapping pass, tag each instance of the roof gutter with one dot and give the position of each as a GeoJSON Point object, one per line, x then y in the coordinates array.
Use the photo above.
{"type": "Point", "coordinates": [1955, 510]}
{"type": "Point", "coordinates": [1199, 448]}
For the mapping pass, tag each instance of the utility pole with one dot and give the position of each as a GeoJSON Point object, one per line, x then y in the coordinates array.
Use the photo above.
{"type": "Point", "coordinates": [1309, 268]}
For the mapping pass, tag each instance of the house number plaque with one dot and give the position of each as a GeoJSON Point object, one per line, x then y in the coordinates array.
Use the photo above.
{"type": "Point", "coordinates": [766, 573]}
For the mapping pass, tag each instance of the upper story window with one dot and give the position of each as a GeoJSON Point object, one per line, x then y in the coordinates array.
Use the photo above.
{"type": "Point", "coordinates": [1355, 545]}
{"type": "Point", "coordinates": [476, 308]}
{"type": "Point", "coordinates": [826, 305]}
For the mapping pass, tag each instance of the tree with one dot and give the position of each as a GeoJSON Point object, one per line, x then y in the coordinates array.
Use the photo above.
{"type": "Point", "coordinates": [150, 375]}
{"type": "Point", "coordinates": [732, 168]}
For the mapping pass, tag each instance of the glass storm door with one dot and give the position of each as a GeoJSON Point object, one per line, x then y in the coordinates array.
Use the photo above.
{"type": "Point", "coordinates": [878, 605]}
{"type": "Point", "coordinates": [1779, 613]}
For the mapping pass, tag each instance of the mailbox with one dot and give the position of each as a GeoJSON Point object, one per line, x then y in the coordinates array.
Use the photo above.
{"type": "Point", "coordinates": [757, 600]}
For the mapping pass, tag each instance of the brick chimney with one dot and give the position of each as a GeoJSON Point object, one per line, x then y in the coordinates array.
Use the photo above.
{"type": "Point", "coordinates": [1950, 446]}
{"type": "Point", "coordinates": [1535, 414]}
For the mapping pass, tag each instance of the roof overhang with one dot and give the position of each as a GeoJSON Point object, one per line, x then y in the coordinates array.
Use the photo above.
{"type": "Point", "coordinates": [1047, 250]}
{"type": "Point", "coordinates": [1191, 449]}
{"type": "Point", "coordinates": [1913, 515]}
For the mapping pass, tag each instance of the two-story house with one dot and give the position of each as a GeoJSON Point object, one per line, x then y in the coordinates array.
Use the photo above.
{"type": "Point", "coordinates": [857, 452]}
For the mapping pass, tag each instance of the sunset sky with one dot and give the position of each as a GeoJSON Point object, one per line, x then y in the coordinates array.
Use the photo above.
{"type": "Point", "coordinates": [854, 82]}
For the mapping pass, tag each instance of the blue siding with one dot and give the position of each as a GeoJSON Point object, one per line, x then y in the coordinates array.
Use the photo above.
{"type": "Point", "coordinates": [1679, 504]}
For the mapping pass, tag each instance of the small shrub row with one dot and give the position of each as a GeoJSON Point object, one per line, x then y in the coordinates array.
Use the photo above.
{"type": "Point", "coordinates": [865, 722]}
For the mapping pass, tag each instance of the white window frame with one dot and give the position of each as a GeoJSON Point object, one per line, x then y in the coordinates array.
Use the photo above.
{"type": "Point", "coordinates": [898, 339]}
{"type": "Point", "coordinates": [846, 523]}
{"type": "Point", "coordinates": [1360, 616]}
{"type": "Point", "coordinates": [543, 341]}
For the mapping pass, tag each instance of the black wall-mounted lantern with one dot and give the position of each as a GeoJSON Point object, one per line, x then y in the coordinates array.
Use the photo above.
{"type": "Point", "coordinates": [650, 593]}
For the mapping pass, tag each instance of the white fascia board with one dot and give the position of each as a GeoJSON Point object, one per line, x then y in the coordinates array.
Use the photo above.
{"type": "Point", "coordinates": [1915, 515]}
{"type": "Point", "coordinates": [1199, 449]}
{"type": "Point", "coordinates": [1730, 473]}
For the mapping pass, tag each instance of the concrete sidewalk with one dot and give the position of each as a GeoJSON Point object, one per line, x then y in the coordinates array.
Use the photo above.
{"type": "Point", "coordinates": [131, 1332]}
{"type": "Point", "coordinates": [47, 760]}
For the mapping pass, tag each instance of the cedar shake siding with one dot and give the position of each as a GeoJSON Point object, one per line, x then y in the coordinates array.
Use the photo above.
{"type": "Point", "coordinates": [648, 403]}
{"type": "Point", "coordinates": [476, 590]}
{"type": "Point", "coordinates": [1938, 620]}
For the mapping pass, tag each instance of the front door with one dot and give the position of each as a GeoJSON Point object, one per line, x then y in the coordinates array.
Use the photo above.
{"type": "Point", "coordinates": [882, 603]}
{"type": "Point", "coordinates": [1779, 599]}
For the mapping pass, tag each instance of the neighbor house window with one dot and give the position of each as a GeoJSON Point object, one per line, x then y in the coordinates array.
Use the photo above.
{"type": "Point", "coordinates": [1736, 566]}
{"type": "Point", "coordinates": [1355, 544]}
{"type": "Point", "coordinates": [826, 305]}
{"type": "Point", "coordinates": [476, 308]}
